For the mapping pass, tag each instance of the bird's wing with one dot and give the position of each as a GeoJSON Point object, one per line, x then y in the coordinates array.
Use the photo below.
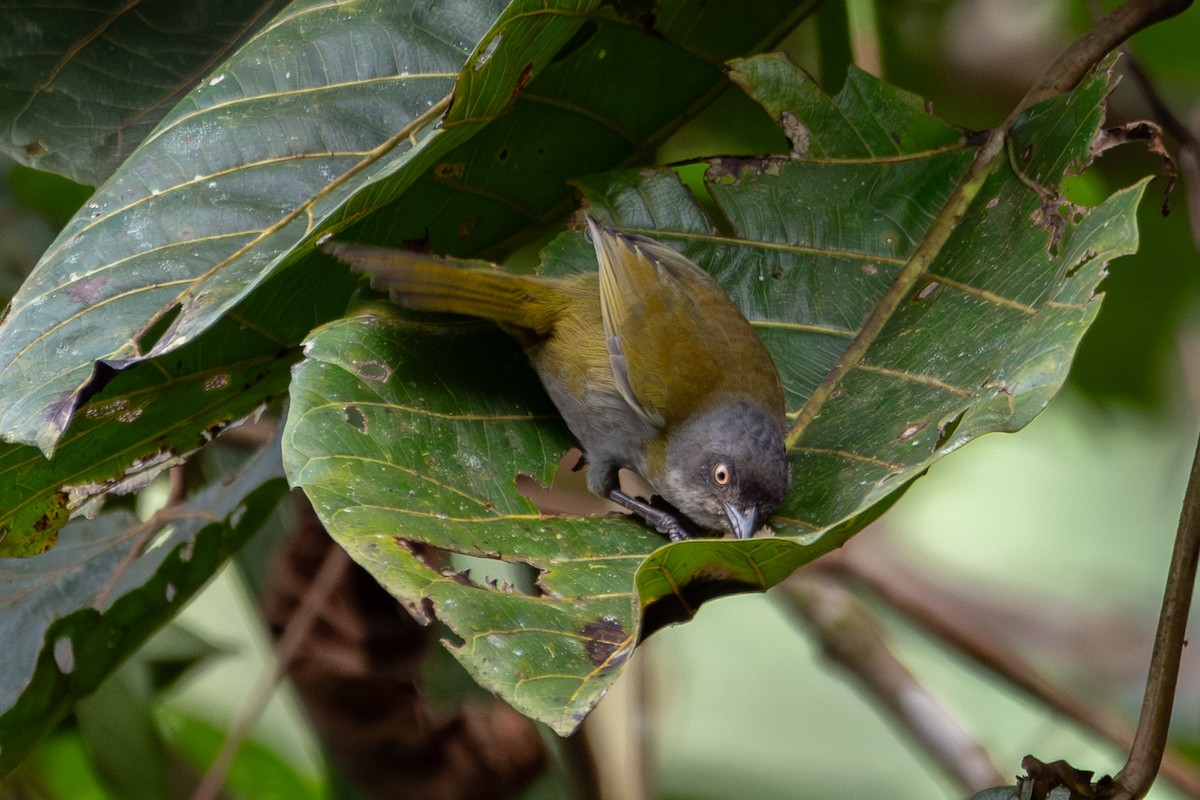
{"type": "Point", "coordinates": [663, 324]}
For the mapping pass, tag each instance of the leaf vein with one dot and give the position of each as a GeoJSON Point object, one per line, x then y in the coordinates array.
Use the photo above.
{"type": "Point", "coordinates": [915, 377]}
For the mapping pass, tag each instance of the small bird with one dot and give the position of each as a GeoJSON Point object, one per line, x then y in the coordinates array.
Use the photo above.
{"type": "Point", "coordinates": [649, 362]}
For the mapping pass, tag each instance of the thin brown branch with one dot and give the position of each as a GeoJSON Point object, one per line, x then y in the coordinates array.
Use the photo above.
{"type": "Point", "coordinates": [146, 531]}
{"type": "Point", "coordinates": [851, 638]}
{"type": "Point", "coordinates": [1090, 48]}
{"type": "Point", "coordinates": [252, 435]}
{"type": "Point", "coordinates": [298, 628]}
{"type": "Point", "coordinates": [1136, 777]}
{"type": "Point", "coordinates": [911, 595]}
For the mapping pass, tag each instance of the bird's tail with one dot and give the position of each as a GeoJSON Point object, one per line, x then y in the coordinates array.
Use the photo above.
{"type": "Point", "coordinates": [428, 283]}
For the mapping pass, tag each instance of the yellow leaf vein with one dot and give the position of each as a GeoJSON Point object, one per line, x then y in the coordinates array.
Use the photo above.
{"type": "Point", "coordinates": [914, 377]}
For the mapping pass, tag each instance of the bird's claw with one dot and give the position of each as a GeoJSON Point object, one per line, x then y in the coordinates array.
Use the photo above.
{"type": "Point", "coordinates": [671, 529]}
{"type": "Point", "coordinates": [663, 522]}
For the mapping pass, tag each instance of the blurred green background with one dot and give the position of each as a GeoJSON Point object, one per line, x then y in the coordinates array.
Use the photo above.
{"type": "Point", "coordinates": [1058, 536]}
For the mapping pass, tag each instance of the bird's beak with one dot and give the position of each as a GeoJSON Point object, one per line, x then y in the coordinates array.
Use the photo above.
{"type": "Point", "coordinates": [743, 522]}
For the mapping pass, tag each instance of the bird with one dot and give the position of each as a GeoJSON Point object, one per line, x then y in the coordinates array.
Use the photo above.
{"type": "Point", "coordinates": [649, 362]}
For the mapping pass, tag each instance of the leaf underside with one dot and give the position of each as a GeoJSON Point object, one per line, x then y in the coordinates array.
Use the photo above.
{"type": "Point", "coordinates": [73, 614]}
{"type": "Point", "coordinates": [408, 434]}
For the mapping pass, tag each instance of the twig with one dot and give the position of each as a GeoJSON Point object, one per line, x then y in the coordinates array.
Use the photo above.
{"type": "Point", "coordinates": [1090, 48]}
{"type": "Point", "coordinates": [146, 531]}
{"type": "Point", "coordinates": [909, 594]}
{"type": "Point", "coordinates": [851, 638]}
{"type": "Point", "coordinates": [1135, 778]}
{"type": "Point", "coordinates": [331, 573]}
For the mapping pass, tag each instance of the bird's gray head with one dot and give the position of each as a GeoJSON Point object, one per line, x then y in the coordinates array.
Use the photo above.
{"type": "Point", "coordinates": [727, 468]}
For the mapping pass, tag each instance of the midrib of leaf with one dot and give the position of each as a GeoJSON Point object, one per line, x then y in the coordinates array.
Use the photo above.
{"type": "Point", "coordinates": [372, 156]}
{"type": "Point", "coordinates": [914, 269]}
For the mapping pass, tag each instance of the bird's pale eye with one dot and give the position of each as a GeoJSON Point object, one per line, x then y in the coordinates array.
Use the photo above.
{"type": "Point", "coordinates": [722, 474]}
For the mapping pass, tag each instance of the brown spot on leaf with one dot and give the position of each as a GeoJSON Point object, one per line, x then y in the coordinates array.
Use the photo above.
{"type": "Point", "coordinates": [796, 133]}
{"type": "Point", "coordinates": [1051, 216]}
{"type": "Point", "coordinates": [911, 430]}
{"type": "Point", "coordinates": [107, 408]}
{"type": "Point", "coordinates": [446, 171]}
{"type": "Point", "coordinates": [89, 291]}
{"type": "Point", "coordinates": [355, 417]}
{"type": "Point", "coordinates": [1140, 131]}
{"type": "Point", "coordinates": [926, 291]}
{"type": "Point", "coordinates": [34, 149]}
{"type": "Point", "coordinates": [606, 642]}
{"type": "Point", "coordinates": [373, 370]}
{"type": "Point", "coordinates": [732, 169]}
{"type": "Point", "coordinates": [523, 80]}
{"type": "Point", "coordinates": [218, 381]}
{"type": "Point", "coordinates": [54, 518]}
{"type": "Point", "coordinates": [1041, 779]}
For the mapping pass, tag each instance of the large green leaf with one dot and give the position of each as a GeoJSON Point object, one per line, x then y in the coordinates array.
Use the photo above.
{"type": "Point", "coordinates": [408, 435]}
{"type": "Point", "coordinates": [561, 124]}
{"type": "Point", "coordinates": [72, 615]}
{"type": "Point", "coordinates": [589, 110]}
{"type": "Point", "coordinates": [152, 417]}
{"type": "Point", "coordinates": [324, 100]}
{"type": "Point", "coordinates": [82, 85]}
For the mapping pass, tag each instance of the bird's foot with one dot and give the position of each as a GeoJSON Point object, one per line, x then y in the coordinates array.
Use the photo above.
{"type": "Point", "coordinates": [662, 521]}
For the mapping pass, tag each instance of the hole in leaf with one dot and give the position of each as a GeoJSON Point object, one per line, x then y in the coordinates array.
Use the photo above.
{"type": "Point", "coordinates": [154, 330]}
{"type": "Point", "coordinates": [477, 569]}
{"type": "Point", "coordinates": [102, 373]}
{"type": "Point", "coordinates": [947, 429]}
{"type": "Point", "coordinates": [1088, 258]}
{"type": "Point", "coordinates": [568, 492]}
{"type": "Point", "coordinates": [495, 575]}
